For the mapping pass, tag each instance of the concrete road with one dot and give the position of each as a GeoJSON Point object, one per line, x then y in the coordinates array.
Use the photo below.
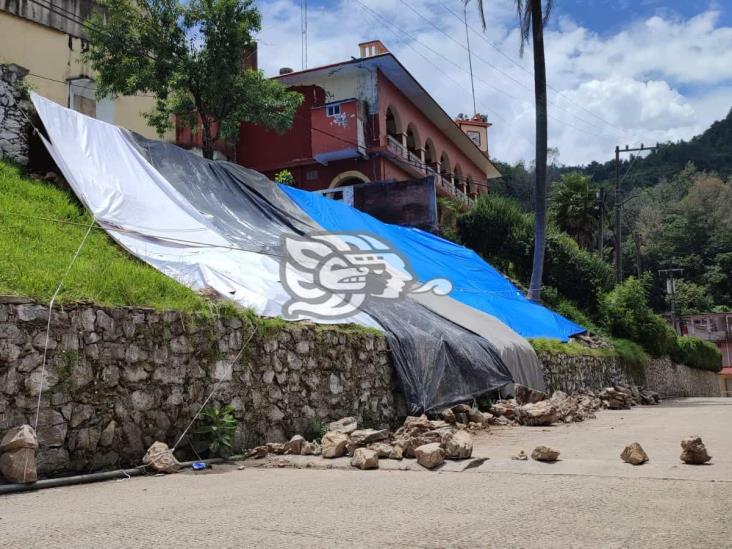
{"type": "Point", "coordinates": [499, 504]}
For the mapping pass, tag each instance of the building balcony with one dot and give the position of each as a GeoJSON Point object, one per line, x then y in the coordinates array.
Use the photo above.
{"type": "Point", "coordinates": [413, 164]}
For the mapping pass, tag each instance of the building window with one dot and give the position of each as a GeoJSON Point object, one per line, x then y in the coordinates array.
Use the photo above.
{"type": "Point", "coordinates": [333, 110]}
{"type": "Point", "coordinates": [311, 175]}
{"type": "Point", "coordinates": [82, 98]}
{"type": "Point", "coordinates": [474, 137]}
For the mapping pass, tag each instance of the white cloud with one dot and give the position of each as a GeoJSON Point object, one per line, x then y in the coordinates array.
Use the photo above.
{"type": "Point", "coordinates": [656, 80]}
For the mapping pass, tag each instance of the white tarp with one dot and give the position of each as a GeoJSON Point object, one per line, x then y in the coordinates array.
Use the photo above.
{"type": "Point", "coordinates": [149, 218]}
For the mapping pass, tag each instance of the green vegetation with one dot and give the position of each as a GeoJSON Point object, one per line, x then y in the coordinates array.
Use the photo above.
{"type": "Point", "coordinates": [502, 233]}
{"type": "Point", "coordinates": [36, 252]}
{"type": "Point", "coordinates": [192, 57]}
{"type": "Point", "coordinates": [214, 430]}
{"type": "Point", "coordinates": [697, 353]}
{"type": "Point", "coordinates": [284, 177]}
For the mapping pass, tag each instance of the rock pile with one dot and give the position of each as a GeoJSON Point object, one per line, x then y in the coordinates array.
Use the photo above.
{"type": "Point", "coordinates": [429, 441]}
{"type": "Point", "coordinates": [694, 452]}
{"type": "Point", "coordinates": [18, 455]}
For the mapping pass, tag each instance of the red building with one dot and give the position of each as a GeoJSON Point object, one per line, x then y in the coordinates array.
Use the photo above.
{"type": "Point", "coordinates": [368, 119]}
{"type": "Point", "coordinates": [714, 327]}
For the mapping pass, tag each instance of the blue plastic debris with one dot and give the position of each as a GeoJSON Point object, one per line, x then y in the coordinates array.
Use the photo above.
{"type": "Point", "coordinates": [198, 465]}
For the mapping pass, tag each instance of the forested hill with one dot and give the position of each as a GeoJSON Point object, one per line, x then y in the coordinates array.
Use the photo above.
{"type": "Point", "coordinates": [711, 151]}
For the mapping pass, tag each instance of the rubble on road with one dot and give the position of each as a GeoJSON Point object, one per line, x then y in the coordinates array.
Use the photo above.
{"type": "Point", "coordinates": [525, 395]}
{"type": "Point", "coordinates": [363, 459]}
{"type": "Point", "coordinates": [694, 452]}
{"type": "Point", "coordinates": [18, 455]}
{"type": "Point", "coordinates": [430, 455]}
{"type": "Point", "coordinates": [540, 413]}
{"type": "Point", "coordinates": [333, 444]}
{"type": "Point", "coordinates": [345, 425]}
{"type": "Point", "coordinates": [544, 453]}
{"type": "Point", "coordinates": [521, 456]}
{"type": "Point", "coordinates": [160, 458]}
{"type": "Point", "coordinates": [634, 454]}
{"type": "Point", "coordinates": [616, 398]}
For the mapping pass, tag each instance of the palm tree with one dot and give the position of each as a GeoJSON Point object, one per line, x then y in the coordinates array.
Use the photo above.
{"type": "Point", "coordinates": [573, 208]}
{"type": "Point", "coordinates": [532, 17]}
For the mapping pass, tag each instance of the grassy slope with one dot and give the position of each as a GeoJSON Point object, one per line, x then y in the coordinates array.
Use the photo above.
{"type": "Point", "coordinates": [34, 253]}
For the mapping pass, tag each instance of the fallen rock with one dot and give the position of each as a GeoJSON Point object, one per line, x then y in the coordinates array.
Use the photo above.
{"type": "Point", "coordinates": [363, 437]}
{"type": "Point", "coordinates": [525, 395]}
{"type": "Point", "coordinates": [19, 465]}
{"type": "Point", "coordinates": [19, 437]}
{"type": "Point", "coordinates": [634, 454]}
{"type": "Point", "coordinates": [415, 424]}
{"type": "Point", "coordinates": [260, 452]}
{"type": "Point", "coordinates": [276, 448]}
{"type": "Point", "coordinates": [397, 452]}
{"type": "Point", "coordinates": [504, 408]}
{"type": "Point", "coordinates": [310, 449]}
{"type": "Point", "coordinates": [521, 456]}
{"type": "Point", "coordinates": [294, 446]}
{"type": "Point", "coordinates": [649, 398]}
{"type": "Point", "coordinates": [540, 413]}
{"type": "Point", "coordinates": [544, 453]}
{"type": "Point", "coordinates": [460, 409]}
{"type": "Point", "coordinates": [694, 451]}
{"type": "Point", "coordinates": [457, 445]}
{"type": "Point", "coordinates": [448, 415]}
{"type": "Point", "coordinates": [345, 425]}
{"type": "Point", "coordinates": [615, 399]}
{"type": "Point", "coordinates": [382, 449]}
{"type": "Point", "coordinates": [365, 458]}
{"type": "Point", "coordinates": [160, 458]}
{"type": "Point", "coordinates": [565, 407]}
{"type": "Point", "coordinates": [476, 416]}
{"type": "Point", "coordinates": [430, 455]}
{"type": "Point", "coordinates": [333, 444]}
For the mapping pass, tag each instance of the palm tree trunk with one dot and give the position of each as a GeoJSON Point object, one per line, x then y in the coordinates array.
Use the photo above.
{"type": "Point", "coordinates": [537, 32]}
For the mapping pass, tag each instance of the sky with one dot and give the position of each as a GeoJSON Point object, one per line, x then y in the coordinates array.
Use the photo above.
{"type": "Point", "coordinates": [619, 71]}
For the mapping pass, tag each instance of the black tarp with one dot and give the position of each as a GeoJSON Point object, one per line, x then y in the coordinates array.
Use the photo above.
{"type": "Point", "coordinates": [438, 362]}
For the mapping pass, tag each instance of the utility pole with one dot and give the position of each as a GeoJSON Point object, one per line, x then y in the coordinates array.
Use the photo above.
{"type": "Point", "coordinates": [601, 196]}
{"type": "Point", "coordinates": [671, 290]}
{"type": "Point", "coordinates": [619, 205]}
{"type": "Point", "coordinates": [470, 56]}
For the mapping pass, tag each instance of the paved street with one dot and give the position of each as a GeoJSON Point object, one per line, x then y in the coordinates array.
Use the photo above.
{"type": "Point", "coordinates": [590, 499]}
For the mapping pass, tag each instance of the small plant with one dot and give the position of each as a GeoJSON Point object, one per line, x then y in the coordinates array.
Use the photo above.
{"type": "Point", "coordinates": [215, 430]}
{"type": "Point", "coordinates": [315, 430]}
{"type": "Point", "coordinates": [284, 177]}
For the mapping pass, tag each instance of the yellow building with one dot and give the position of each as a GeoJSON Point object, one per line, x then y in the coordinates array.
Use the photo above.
{"type": "Point", "coordinates": [46, 37]}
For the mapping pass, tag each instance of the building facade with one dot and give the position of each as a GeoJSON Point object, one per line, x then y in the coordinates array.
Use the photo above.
{"type": "Point", "coordinates": [47, 39]}
{"type": "Point", "coordinates": [714, 327]}
{"type": "Point", "coordinates": [368, 119]}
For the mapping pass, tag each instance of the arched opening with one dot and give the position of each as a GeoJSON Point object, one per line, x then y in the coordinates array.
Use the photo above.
{"type": "Point", "coordinates": [430, 156]}
{"type": "Point", "coordinates": [459, 178]}
{"type": "Point", "coordinates": [445, 170]}
{"type": "Point", "coordinates": [469, 187]}
{"type": "Point", "coordinates": [351, 177]}
{"type": "Point", "coordinates": [414, 144]}
{"type": "Point", "coordinates": [393, 124]}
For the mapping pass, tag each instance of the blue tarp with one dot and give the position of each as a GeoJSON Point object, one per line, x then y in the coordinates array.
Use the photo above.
{"type": "Point", "coordinates": [474, 281]}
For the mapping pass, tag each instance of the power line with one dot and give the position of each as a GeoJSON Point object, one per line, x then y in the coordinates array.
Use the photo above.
{"type": "Point", "coordinates": [488, 63]}
{"type": "Point", "coordinates": [520, 66]}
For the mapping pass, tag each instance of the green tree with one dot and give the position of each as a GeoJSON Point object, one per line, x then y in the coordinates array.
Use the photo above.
{"type": "Point", "coordinates": [573, 208]}
{"type": "Point", "coordinates": [532, 16]}
{"type": "Point", "coordinates": [192, 57]}
{"type": "Point", "coordinates": [691, 299]}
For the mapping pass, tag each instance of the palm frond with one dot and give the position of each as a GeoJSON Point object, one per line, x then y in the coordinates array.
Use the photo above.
{"type": "Point", "coordinates": [480, 11]}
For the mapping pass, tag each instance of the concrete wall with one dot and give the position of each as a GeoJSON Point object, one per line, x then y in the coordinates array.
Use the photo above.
{"type": "Point", "coordinates": [119, 379]}
{"type": "Point", "coordinates": [53, 58]}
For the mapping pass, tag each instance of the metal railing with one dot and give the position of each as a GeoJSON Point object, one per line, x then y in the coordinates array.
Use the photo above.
{"type": "Point", "coordinates": [393, 145]}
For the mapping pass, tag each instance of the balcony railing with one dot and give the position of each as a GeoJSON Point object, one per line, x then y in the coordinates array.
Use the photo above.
{"type": "Point", "coordinates": [396, 148]}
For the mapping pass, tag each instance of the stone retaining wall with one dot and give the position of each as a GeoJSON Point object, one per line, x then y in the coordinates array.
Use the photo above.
{"type": "Point", "coordinates": [570, 373]}
{"type": "Point", "coordinates": [118, 379]}
{"type": "Point", "coordinates": [676, 380]}
{"type": "Point", "coordinates": [14, 130]}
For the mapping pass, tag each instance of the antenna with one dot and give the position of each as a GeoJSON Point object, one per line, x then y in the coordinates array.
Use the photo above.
{"type": "Point", "coordinates": [304, 33]}
{"type": "Point", "coordinates": [470, 56]}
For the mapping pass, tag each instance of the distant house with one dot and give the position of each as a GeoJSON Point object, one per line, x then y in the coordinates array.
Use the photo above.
{"type": "Point", "coordinates": [714, 327]}
{"type": "Point", "coordinates": [368, 119]}
{"type": "Point", "coordinates": [47, 37]}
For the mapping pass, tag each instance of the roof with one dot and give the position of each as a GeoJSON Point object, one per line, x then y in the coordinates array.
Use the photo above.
{"type": "Point", "coordinates": [726, 372]}
{"type": "Point", "coordinates": [403, 79]}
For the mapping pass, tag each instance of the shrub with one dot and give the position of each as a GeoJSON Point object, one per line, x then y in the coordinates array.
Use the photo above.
{"type": "Point", "coordinates": [631, 356]}
{"type": "Point", "coordinates": [696, 353]}
{"type": "Point", "coordinates": [215, 430]}
{"type": "Point", "coordinates": [501, 233]}
{"type": "Point", "coordinates": [627, 315]}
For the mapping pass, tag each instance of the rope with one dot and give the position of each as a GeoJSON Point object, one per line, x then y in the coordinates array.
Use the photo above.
{"type": "Point", "coordinates": [215, 388]}
{"type": "Point", "coordinates": [48, 325]}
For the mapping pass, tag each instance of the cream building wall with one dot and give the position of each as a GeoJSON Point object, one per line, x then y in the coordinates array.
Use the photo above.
{"type": "Point", "coordinates": [53, 59]}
